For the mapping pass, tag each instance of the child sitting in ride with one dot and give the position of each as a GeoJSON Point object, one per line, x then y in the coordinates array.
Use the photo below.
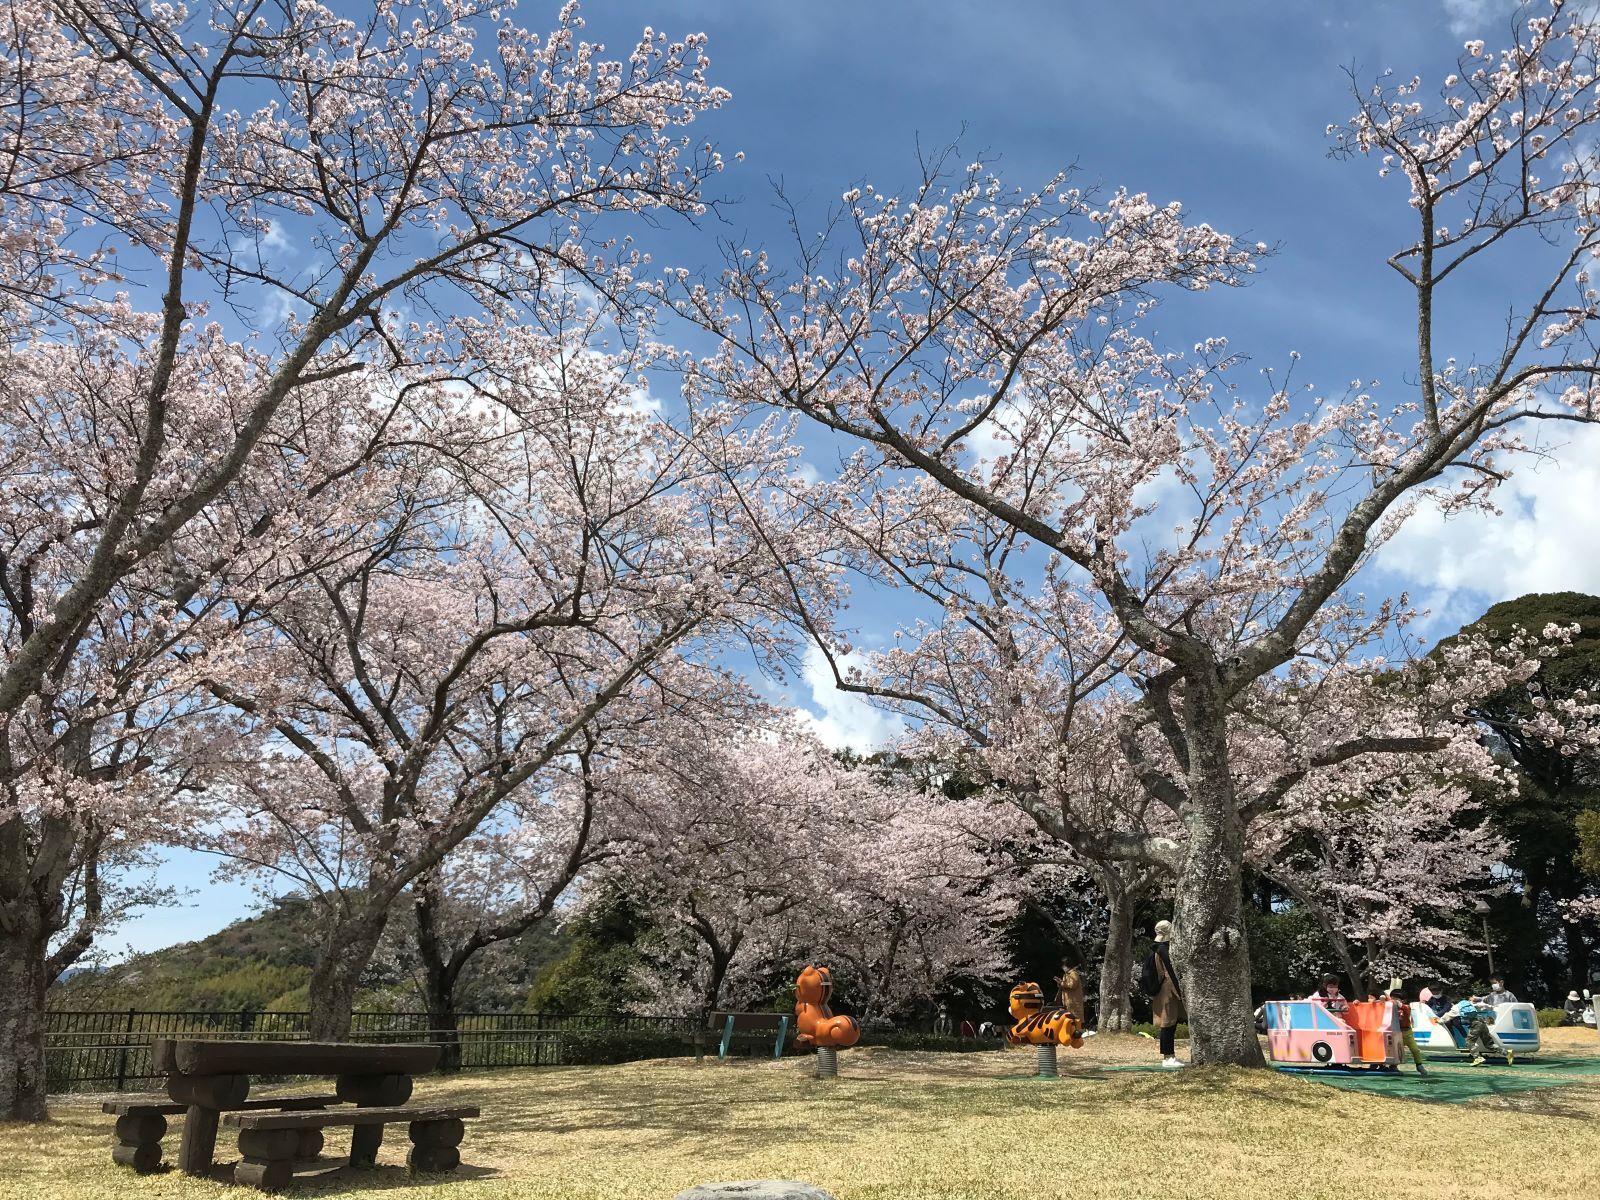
{"type": "Point", "coordinates": [1480, 1038]}
{"type": "Point", "coordinates": [1330, 995]}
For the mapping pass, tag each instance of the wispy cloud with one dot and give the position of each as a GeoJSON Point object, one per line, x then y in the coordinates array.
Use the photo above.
{"type": "Point", "coordinates": [1480, 17]}
{"type": "Point", "coordinates": [843, 719]}
{"type": "Point", "coordinates": [1545, 538]}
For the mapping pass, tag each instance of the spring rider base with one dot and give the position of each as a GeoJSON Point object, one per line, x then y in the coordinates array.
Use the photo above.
{"type": "Point", "coordinates": [827, 1062]}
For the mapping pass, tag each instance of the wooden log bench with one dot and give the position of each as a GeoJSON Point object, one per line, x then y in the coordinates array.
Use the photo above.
{"type": "Point", "coordinates": [142, 1123]}
{"type": "Point", "coordinates": [269, 1143]}
{"type": "Point", "coordinates": [207, 1079]}
{"type": "Point", "coordinates": [750, 1031]}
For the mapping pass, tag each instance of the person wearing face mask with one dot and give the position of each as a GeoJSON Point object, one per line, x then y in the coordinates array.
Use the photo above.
{"type": "Point", "coordinates": [1498, 993]}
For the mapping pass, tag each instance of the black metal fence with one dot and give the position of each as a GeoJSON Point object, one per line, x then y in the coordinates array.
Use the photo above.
{"type": "Point", "coordinates": [110, 1050]}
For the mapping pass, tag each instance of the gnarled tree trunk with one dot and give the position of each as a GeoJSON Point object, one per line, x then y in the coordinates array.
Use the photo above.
{"type": "Point", "coordinates": [24, 940]}
{"type": "Point", "coordinates": [1116, 964]}
{"type": "Point", "coordinates": [439, 977]}
{"type": "Point", "coordinates": [1212, 950]}
{"type": "Point", "coordinates": [346, 951]}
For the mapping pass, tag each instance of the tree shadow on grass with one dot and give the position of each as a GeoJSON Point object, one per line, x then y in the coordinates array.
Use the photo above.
{"type": "Point", "coordinates": [382, 1178]}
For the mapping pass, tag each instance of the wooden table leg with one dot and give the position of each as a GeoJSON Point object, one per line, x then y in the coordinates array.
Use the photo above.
{"type": "Point", "coordinates": [371, 1091]}
{"type": "Point", "coordinates": [310, 1146]}
{"type": "Point", "coordinates": [364, 1143]}
{"type": "Point", "coordinates": [434, 1145]}
{"type": "Point", "coordinates": [199, 1146]}
{"type": "Point", "coordinates": [206, 1096]}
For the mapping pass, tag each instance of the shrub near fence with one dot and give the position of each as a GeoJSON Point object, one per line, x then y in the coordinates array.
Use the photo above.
{"type": "Point", "coordinates": [110, 1051]}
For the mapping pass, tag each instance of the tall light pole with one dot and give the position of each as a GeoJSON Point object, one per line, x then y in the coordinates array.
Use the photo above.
{"type": "Point", "coordinates": [1482, 907]}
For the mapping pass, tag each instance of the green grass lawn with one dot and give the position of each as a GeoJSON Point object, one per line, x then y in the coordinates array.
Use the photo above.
{"type": "Point", "coordinates": [908, 1126]}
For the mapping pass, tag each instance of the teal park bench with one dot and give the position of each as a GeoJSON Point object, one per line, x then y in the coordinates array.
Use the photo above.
{"type": "Point", "coordinates": [750, 1032]}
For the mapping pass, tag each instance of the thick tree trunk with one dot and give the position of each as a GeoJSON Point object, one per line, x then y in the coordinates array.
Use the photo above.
{"type": "Point", "coordinates": [720, 961]}
{"type": "Point", "coordinates": [1212, 950]}
{"type": "Point", "coordinates": [879, 997]}
{"type": "Point", "coordinates": [444, 1026]}
{"type": "Point", "coordinates": [1577, 956]}
{"type": "Point", "coordinates": [1116, 965]}
{"type": "Point", "coordinates": [23, 944]}
{"type": "Point", "coordinates": [346, 951]}
{"type": "Point", "coordinates": [440, 976]}
{"type": "Point", "coordinates": [1361, 983]}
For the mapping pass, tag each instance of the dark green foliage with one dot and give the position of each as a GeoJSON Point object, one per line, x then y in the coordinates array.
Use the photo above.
{"type": "Point", "coordinates": [255, 984]}
{"type": "Point", "coordinates": [1552, 821]}
{"type": "Point", "coordinates": [1288, 952]}
{"type": "Point", "coordinates": [1576, 668]}
{"type": "Point", "coordinates": [261, 963]}
{"type": "Point", "coordinates": [594, 964]}
{"type": "Point", "coordinates": [941, 1043]}
{"type": "Point", "coordinates": [619, 1046]}
{"type": "Point", "coordinates": [1552, 1018]}
{"type": "Point", "coordinates": [1588, 829]}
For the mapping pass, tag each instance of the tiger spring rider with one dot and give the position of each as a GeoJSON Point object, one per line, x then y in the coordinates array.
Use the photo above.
{"type": "Point", "coordinates": [814, 1022]}
{"type": "Point", "coordinates": [1043, 1027]}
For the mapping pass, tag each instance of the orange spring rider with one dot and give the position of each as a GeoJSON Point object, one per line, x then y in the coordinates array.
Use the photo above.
{"type": "Point", "coordinates": [1037, 1025]}
{"type": "Point", "coordinates": [814, 1022]}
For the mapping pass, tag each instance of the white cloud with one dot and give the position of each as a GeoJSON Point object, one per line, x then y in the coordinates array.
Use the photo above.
{"type": "Point", "coordinates": [1173, 509]}
{"type": "Point", "coordinates": [990, 440]}
{"type": "Point", "coordinates": [843, 719]}
{"type": "Point", "coordinates": [1545, 539]}
{"type": "Point", "coordinates": [1470, 16]}
{"type": "Point", "coordinates": [274, 237]}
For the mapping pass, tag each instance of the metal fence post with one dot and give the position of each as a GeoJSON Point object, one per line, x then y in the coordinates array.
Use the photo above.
{"type": "Point", "coordinates": [122, 1053]}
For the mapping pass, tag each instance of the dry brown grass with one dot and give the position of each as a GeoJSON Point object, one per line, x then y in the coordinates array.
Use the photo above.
{"type": "Point", "coordinates": [901, 1126]}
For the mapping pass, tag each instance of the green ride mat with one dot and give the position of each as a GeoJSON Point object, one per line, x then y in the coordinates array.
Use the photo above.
{"type": "Point", "coordinates": [1458, 1082]}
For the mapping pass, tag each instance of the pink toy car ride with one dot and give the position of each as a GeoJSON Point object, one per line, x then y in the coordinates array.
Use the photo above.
{"type": "Point", "coordinates": [1365, 1033]}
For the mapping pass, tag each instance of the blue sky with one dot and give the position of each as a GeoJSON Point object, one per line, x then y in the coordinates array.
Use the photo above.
{"type": "Point", "coordinates": [1222, 105]}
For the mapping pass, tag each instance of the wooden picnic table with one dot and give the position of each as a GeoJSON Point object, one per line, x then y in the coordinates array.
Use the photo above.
{"type": "Point", "coordinates": [206, 1079]}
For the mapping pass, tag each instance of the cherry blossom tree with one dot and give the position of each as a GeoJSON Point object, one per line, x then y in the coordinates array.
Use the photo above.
{"type": "Point", "coordinates": [923, 899]}
{"type": "Point", "coordinates": [1029, 688]}
{"type": "Point", "coordinates": [365, 196]}
{"type": "Point", "coordinates": [1387, 871]}
{"type": "Point", "coordinates": [765, 851]}
{"type": "Point", "coordinates": [516, 590]}
{"type": "Point", "coordinates": [561, 828]}
{"type": "Point", "coordinates": [913, 326]}
{"type": "Point", "coordinates": [727, 836]}
{"type": "Point", "coordinates": [1015, 683]}
{"type": "Point", "coordinates": [116, 752]}
{"type": "Point", "coordinates": [500, 883]}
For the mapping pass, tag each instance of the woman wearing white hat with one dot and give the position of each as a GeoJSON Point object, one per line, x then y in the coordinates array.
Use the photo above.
{"type": "Point", "coordinates": [1573, 1008]}
{"type": "Point", "coordinates": [1166, 1005]}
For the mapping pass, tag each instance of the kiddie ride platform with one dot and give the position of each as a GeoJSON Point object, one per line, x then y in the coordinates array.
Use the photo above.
{"type": "Point", "coordinates": [1514, 1027]}
{"type": "Point", "coordinates": [1362, 1035]}
{"type": "Point", "coordinates": [1309, 1033]}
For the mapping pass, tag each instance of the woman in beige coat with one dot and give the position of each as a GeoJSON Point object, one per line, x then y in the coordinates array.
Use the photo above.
{"type": "Point", "coordinates": [1167, 1005]}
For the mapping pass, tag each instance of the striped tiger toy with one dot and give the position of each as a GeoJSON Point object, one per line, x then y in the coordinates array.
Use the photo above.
{"type": "Point", "coordinates": [1037, 1025]}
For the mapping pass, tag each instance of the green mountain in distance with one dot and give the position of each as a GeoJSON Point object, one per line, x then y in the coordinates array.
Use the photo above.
{"type": "Point", "coordinates": [260, 963]}
{"type": "Point", "coordinates": [263, 964]}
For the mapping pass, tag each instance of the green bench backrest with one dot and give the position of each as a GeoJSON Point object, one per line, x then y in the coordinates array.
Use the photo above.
{"type": "Point", "coordinates": [750, 1027]}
